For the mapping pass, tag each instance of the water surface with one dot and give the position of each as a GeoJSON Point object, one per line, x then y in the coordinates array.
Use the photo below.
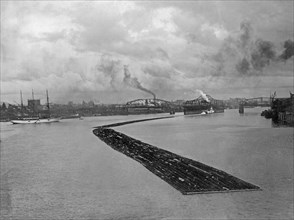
{"type": "Point", "coordinates": [63, 171]}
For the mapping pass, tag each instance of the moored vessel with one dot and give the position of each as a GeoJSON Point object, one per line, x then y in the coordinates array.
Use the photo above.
{"type": "Point", "coordinates": [203, 105]}
{"type": "Point", "coordinates": [36, 119]}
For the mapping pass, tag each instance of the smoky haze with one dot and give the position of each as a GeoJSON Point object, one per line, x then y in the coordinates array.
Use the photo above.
{"type": "Point", "coordinates": [289, 50]}
{"type": "Point", "coordinates": [110, 67]}
{"type": "Point", "coordinates": [248, 55]}
{"type": "Point", "coordinates": [77, 50]}
{"type": "Point", "coordinates": [133, 82]}
{"type": "Point", "coordinates": [203, 95]}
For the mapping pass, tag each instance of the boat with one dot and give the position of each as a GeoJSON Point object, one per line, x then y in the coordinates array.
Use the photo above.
{"type": "Point", "coordinates": [36, 119]}
{"type": "Point", "coordinates": [203, 105]}
{"type": "Point", "coordinates": [207, 111]}
{"type": "Point", "coordinates": [71, 116]}
{"type": "Point", "coordinates": [210, 111]}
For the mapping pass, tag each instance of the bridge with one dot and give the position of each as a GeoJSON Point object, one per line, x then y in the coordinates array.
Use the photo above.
{"type": "Point", "coordinates": [147, 106]}
{"type": "Point", "coordinates": [148, 103]}
{"type": "Point", "coordinates": [254, 102]}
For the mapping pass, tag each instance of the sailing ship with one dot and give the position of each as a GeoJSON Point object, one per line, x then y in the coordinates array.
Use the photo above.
{"type": "Point", "coordinates": [35, 119]}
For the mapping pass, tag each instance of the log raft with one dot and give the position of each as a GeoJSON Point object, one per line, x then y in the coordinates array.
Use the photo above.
{"type": "Point", "coordinates": [184, 174]}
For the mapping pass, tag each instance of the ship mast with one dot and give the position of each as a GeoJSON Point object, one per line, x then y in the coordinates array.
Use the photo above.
{"type": "Point", "coordinates": [21, 103]}
{"type": "Point", "coordinates": [33, 102]}
{"type": "Point", "coordinates": [48, 106]}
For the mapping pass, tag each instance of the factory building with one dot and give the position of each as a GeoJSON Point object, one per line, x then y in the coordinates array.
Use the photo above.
{"type": "Point", "coordinates": [34, 104]}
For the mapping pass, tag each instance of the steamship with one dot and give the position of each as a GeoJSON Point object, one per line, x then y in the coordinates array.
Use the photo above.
{"type": "Point", "coordinates": [203, 105]}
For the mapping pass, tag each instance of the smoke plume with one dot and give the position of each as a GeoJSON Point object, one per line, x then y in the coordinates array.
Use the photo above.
{"type": "Point", "coordinates": [247, 55]}
{"type": "Point", "coordinates": [203, 95]}
{"type": "Point", "coordinates": [109, 67]}
{"type": "Point", "coordinates": [289, 50]}
{"type": "Point", "coordinates": [262, 54]}
{"type": "Point", "coordinates": [243, 66]}
{"type": "Point", "coordinates": [246, 34]}
{"type": "Point", "coordinates": [133, 82]}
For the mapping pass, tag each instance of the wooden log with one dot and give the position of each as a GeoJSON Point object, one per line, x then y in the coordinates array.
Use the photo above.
{"type": "Point", "coordinates": [186, 175]}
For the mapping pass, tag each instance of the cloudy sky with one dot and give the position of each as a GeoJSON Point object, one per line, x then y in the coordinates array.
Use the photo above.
{"type": "Point", "coordinates": [77, 50]}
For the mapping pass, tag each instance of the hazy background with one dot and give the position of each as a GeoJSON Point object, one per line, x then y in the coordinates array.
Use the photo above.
{"type": "Point", "coordinates": [77, 50]}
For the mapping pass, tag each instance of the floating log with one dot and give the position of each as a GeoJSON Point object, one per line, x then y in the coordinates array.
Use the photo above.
{"type": "Point", "coordinates": [184, 174]}
{"type": "Point", "coordinates": [133, 121]}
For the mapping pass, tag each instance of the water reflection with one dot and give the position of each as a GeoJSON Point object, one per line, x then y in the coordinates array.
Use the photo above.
{"type": "Point", "coordinates": [277, 124]}
{"type": "Point", "coordinates": [5, 193]}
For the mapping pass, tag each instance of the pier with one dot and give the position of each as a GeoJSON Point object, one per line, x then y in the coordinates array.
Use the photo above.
{"type": "Point", "coordinates": [184, 174]}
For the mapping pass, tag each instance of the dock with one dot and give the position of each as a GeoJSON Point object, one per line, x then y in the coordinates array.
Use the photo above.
{"type": "Point", "coordinates": [184, 174]}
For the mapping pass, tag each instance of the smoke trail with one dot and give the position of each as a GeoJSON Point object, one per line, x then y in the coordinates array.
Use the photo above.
{"type": "Point", "coordinates": [246, 33]}
{"type": "Point", "coordinates": [133, 82]}
{"type": "Point", "coordinates": [289, 50]}
{"type": "Point", "coordinates": [203, 95]}
{"type": "Point", "coordinates": [243, 66]}
{"type": "Point", "coordinates": [247, 55]}
{"type": "Point", "coordinates": [109, 67]}
{"type": "Point", "coordinates": [262, 54]}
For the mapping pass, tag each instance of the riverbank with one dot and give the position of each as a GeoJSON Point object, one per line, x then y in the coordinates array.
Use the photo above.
{"type": "Point", "coordinates": [282, 111]}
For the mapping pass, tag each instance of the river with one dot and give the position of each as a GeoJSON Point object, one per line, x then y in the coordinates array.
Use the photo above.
{"type": "Point", "coordinates": [63, 171]}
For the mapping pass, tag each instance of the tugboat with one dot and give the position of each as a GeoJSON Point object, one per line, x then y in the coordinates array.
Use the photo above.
{"type": "Point", "coordinates": [35, 119]}
{"type": "Point", "coordinates": [207, 112]}
{"type": "Point", "coordinates": [204, 104]}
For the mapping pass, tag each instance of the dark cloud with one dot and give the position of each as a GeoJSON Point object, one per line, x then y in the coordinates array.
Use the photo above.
{"type": "Point", "coordinates": [243, 66]}
{"type": "Point", "coordinates": [262, 54]}
{"type": "Point", "coordinates": [289, 50]}
{"type": "Point", "coordinates": [245, 54]}
{"type": "Point", "coordinates": [169, 45]}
